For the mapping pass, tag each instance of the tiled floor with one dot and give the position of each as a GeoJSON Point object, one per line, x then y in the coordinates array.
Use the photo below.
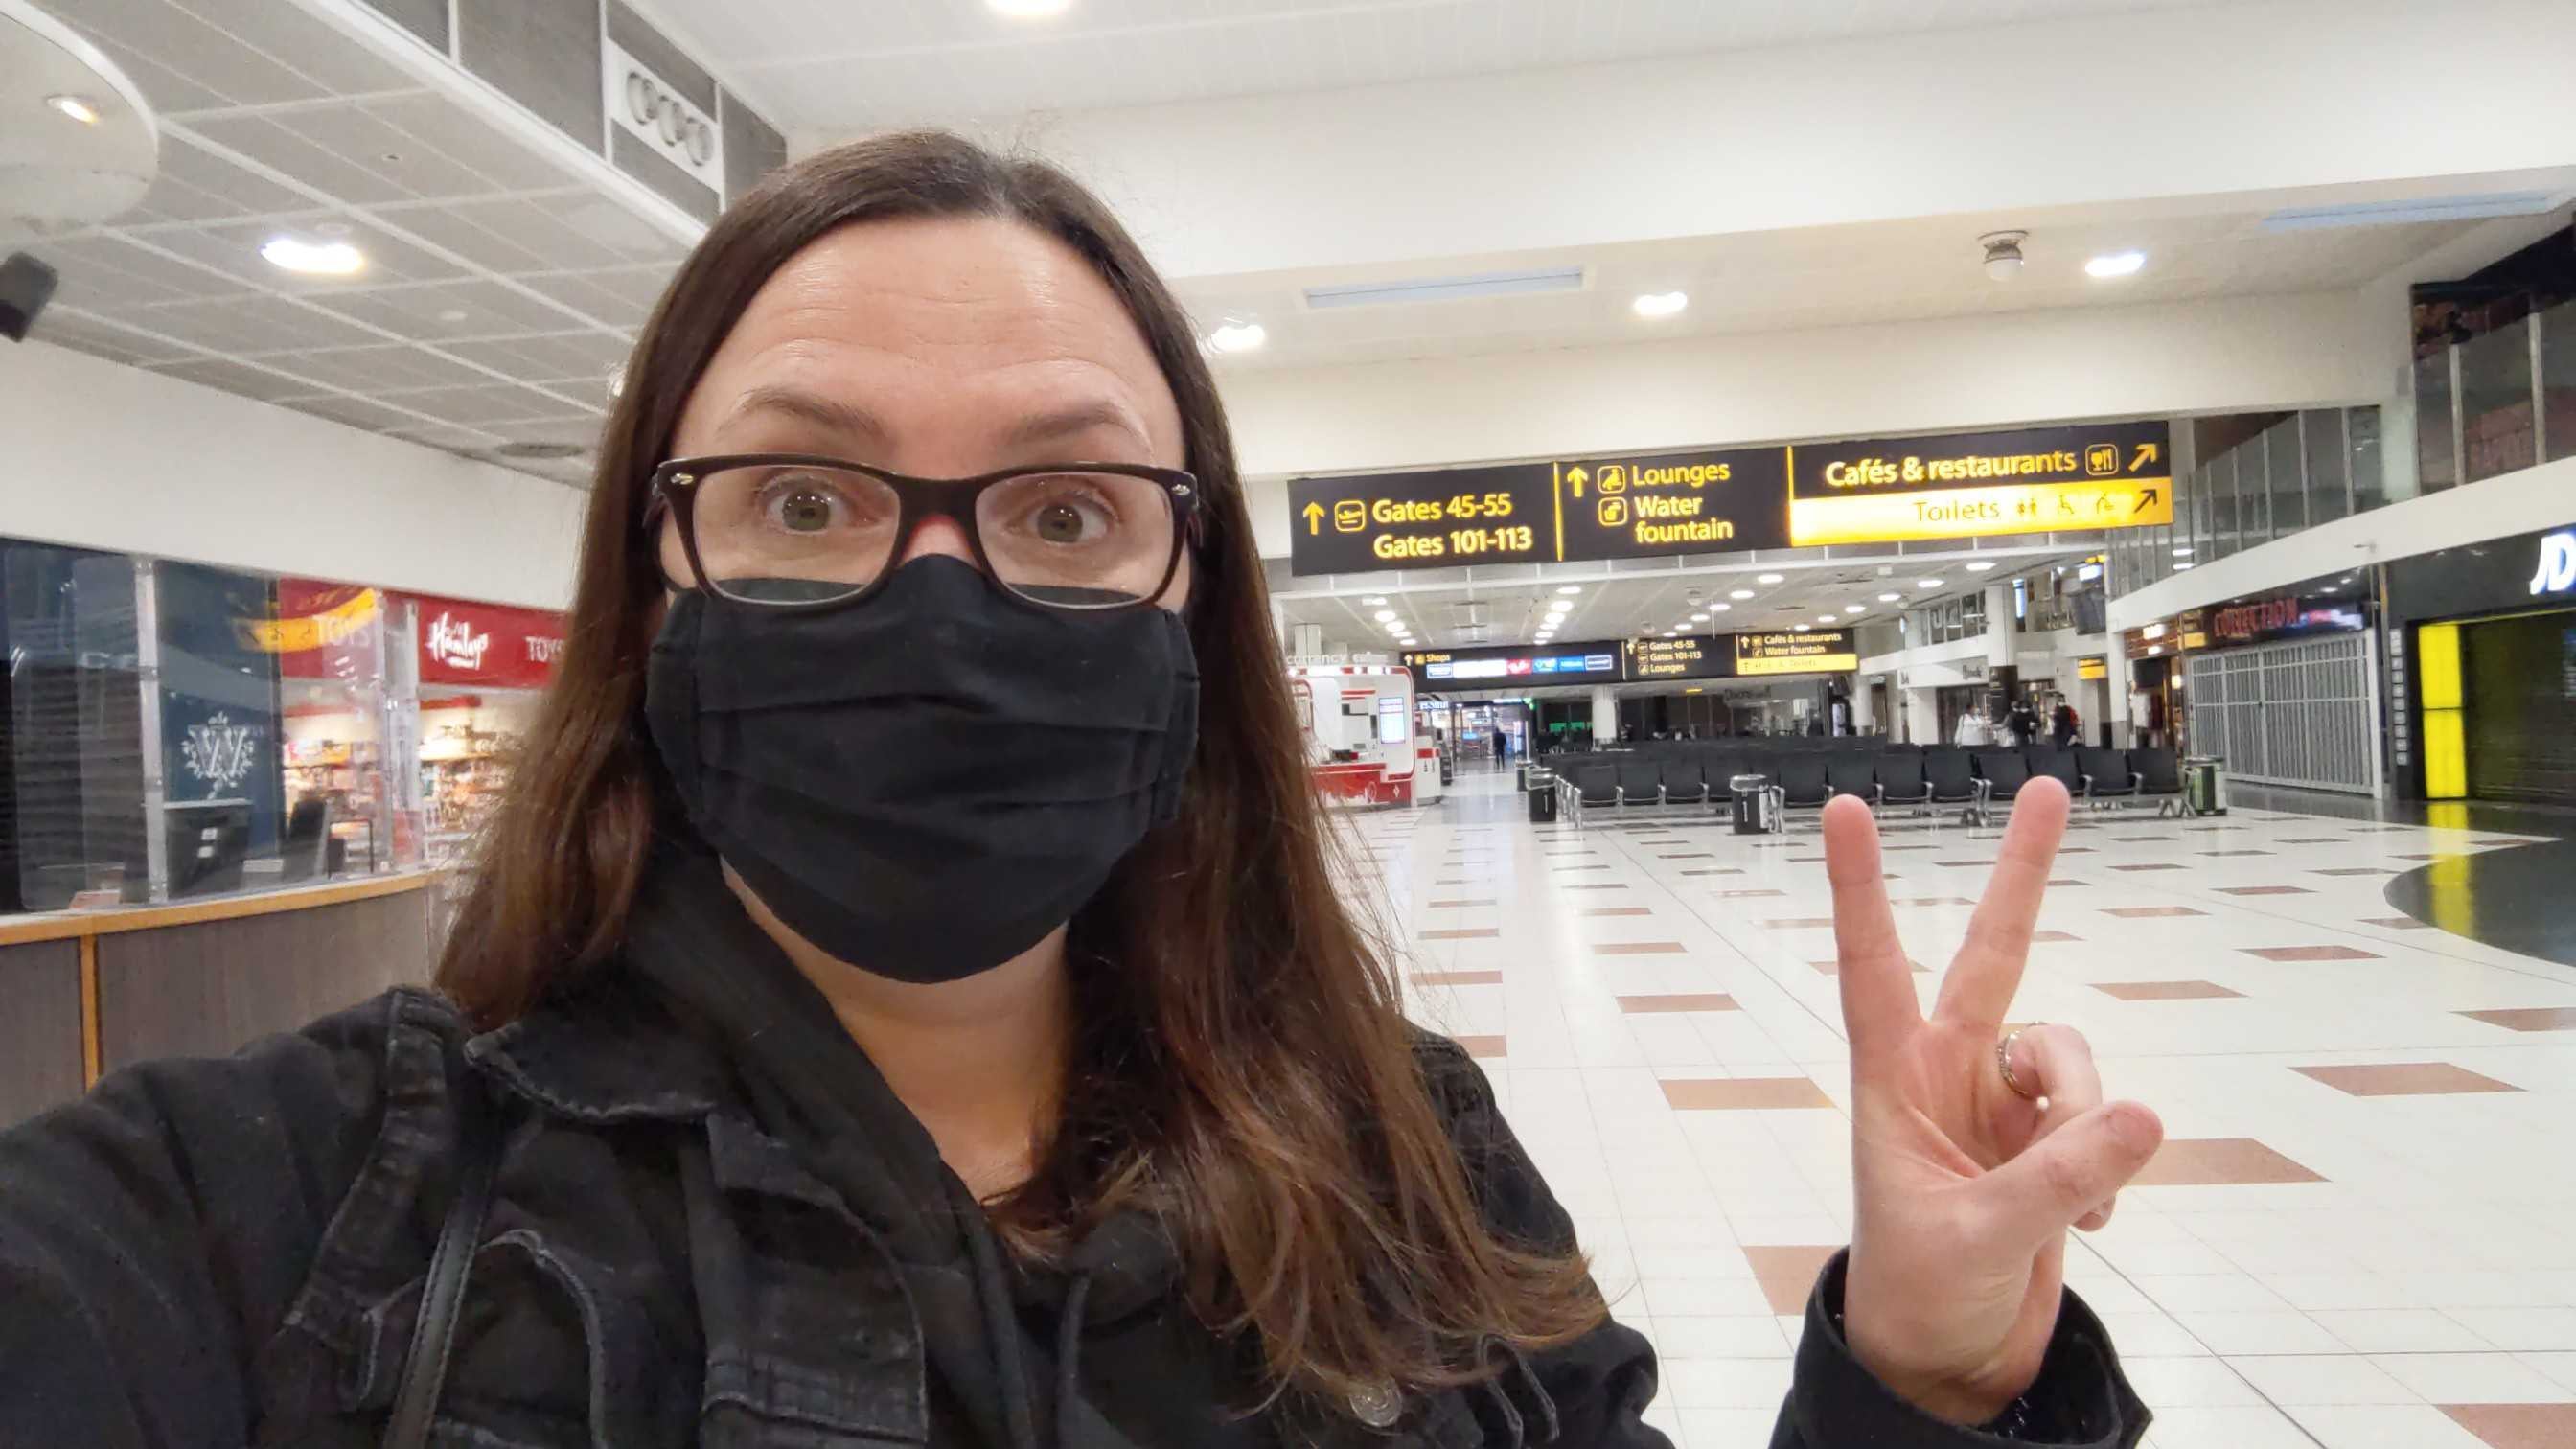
{"type": "Point", "coordinates": [2363, 1229]}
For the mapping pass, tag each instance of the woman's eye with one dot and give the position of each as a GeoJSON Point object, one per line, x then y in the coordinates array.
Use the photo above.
{"type": "Point", "coordinates": [805, 506]}
{"type": "Point", "coordinates": [1069, 518]}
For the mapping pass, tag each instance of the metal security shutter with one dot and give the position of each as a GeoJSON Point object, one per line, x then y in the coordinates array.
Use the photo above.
{"type": "Point", "coordinates": [2299, 712]}
{"type": "Point", "coordinates": [2522, 708]}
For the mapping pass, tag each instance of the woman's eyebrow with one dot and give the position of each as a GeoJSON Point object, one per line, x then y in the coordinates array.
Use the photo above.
{"type": "Point", "coordinates": [1071, 419]}
{"type": "Point", "coordinates": [854, 421]}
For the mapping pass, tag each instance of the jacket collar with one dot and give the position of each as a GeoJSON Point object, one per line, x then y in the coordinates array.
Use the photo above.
{"type": "Point", "coordinates": [608, 1052]}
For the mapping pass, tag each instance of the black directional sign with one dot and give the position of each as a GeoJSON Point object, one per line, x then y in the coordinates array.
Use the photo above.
{"type": "Point", "coordinates": [1436, 519]}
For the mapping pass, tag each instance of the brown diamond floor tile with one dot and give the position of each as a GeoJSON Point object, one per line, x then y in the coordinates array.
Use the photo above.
{"type": "Point", "coordinates": [2310, 953]}
{"type": "Point", "coordinates": [2399, 923]}
{"type": "Point", "coordinates": [2404, 1079]}
{"type": "Point", "coordinates": [2070, 882]}
{"type": "Point", "coordinates": [1683, 1001]}
{"type": "Point", "coordinates": [2075, 850]}
{"type": "Point", "coordinates": [1693, 855]}
{"type": "Point", "coordinates": [1612, 885]}
{"type": "Point", "coordinates": [1963, 864]}
{"type": "Point", "coordinates": [1570, 869]}
{"type": "Point", "coordinates": [1799, 923]}
{"type": "Point", "coordinates": [2313, 840]}
{"type": "Point", "coordinates": [1457, 905]}
{"type": "Point", "coordinates": [2144, 839]}
{"type": "Point", "coordinates": [1743, 1094]}
{"type": "Point", "coordinates": [1616, 911]}
{"type": "Point", "coordinates": [1639, 948]}
{"type": "Point", "coordinates": [1835, 968]}
{"type": "Point", "coordinates": [2529, 1018]}
{"type": "Point", "coordinates": [1931, 901]}
{"type": "Point", "coordinates": [2267, 890]}
{"type": "Point", "coordinates": [2355, 870]}
{"type": "Point", "coordinates": [1483, 1048]}
{"type": "Point", "coordinates": [2166, 990]}
{"type": "Point", "coordinates": [2151, 865]}
{"type": "Point", "coordinates": [2517, 1426]}
{"type": "Point", "coordinates": [1747, 894]}
{"type": "Point", "coordinates": [2150, 913]}
{"type": "Point", "coordinates": [2053, 937]}
{"type": "Point", "coordinates": [2218, 1162]}
{"type": "Point", "coordinates": [1728, 870]}
{"type": "Point", "coordinates": [1473, 933]}
{"type": "Point", "coordinates": [1457, 978]}
{"type": "Point", "coordinates": [2234, 852]}
{"type": "Point", "coordinates": [1788, 1274]}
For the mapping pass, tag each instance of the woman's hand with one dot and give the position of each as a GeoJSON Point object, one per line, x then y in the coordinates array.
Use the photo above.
{"type": "Point", "coordinates": [1963, 1188]}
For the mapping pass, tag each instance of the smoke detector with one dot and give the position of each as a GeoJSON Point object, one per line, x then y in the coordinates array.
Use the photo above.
{"type": "Point", "coordinates": [2003, 253]}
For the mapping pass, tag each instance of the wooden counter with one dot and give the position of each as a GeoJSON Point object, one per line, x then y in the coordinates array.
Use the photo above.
{"type": "Point", "coordinates": [83, 993]}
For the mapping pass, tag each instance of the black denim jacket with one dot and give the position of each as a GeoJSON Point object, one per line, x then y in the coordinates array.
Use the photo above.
{"type": "Point", "coordinates": [219, 1253]}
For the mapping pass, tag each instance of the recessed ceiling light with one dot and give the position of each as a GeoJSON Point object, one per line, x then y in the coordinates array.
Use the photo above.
{"type": "Point", "coordinates": [1237, 336]}
{"type": "Point", "coordinates": [2115, 264]}
{"type": "Point", "coordinates": [1980, 566]}
{"type": "Point", "coordinates": [1383, 615]}
{"type": "Point", "coordinates": [1720, 608]}
{"type": "Point", "coordinates": [1890, 598]}
{"type": "Point", "coordinates": [1855, 609]}
{"type": "Point", "coordinates": [1927, 583]}
{"type": "Point", "coordinates": [1802, 628]}
{"type": "Point", "coordinates": [2183, 565]}
{"type": "Point", "coordinates": [76, 107]}
{"type": "Point", "coordinates": [1029, 9]}
{"type": "Point", "coordinates": [1739, 593]}
{"type": "Point", "coordinates": [1700, 617]}
{"type": "Point", "coordinates": [1570, 589]}
{"type": "Point", "coordinates": [2182, 550]}
{"type": "Point", "coordinates": [1824, 618]}
{"type": "Point", "coordinates": [1660, 304]}
{"type": "Point", "coordinates": [318, 259]}
{"type": "Point", "coordinates": [1374, 600]}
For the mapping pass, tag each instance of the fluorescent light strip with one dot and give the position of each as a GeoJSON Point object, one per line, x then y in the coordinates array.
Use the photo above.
{"type": "Point", "coordinates": [1446, 289]}
{"type": "Point", "coordinates": [2429, 208]}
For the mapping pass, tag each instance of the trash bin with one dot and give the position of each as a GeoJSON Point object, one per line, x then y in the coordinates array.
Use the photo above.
{"type": "Point", "coordinates": [1542, 797]}
{"type": "Point", "coordinates": [1448, 768]}
{"type": "Point", "coordinates": [2204, 784]}
{"type": "Point", "coordinates": [1753, 815]}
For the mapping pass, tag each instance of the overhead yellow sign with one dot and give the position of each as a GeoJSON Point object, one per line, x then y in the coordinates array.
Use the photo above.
{"type": "Point", "coordinates": [2023, 480]}
{"type": "Point", "coordinates": [1956, 512]}
{"type": "Point", "coordinates": [332, 626]}
{"type": "Point", "coordinates": [1813, 651]}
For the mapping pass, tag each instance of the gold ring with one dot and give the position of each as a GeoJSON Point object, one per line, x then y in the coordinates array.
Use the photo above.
{"type": "Point", "coordinates": [2003, 1063]}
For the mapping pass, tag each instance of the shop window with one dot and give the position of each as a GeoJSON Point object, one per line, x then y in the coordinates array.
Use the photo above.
{"type": "Point", "coordinates": [2496, 416]}
{"type": "Point", "coordinates": [2288, 468]}
{"type": "Point", "coordinates": [2436, 466]}
{"type": "Point", "coordinates": [221, 741]}
{"type": "Point", "coordinates": [71, 760]}
{"type": "Point", "coordinates": [2321, 448]}
{"type": "Point", "coordinates": [2361, 442]}
{"type": "Point", "coordinates": [331, 650]}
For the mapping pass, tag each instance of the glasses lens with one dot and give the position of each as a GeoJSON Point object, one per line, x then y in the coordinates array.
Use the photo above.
{"type": "Point", "coordinates": [1077, 540]}
{"type": "Point", "coordinates": [793, 533]}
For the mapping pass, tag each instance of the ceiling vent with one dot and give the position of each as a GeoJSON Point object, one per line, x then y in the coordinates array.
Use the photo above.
{"type": "Point", "coordinates": [1447, 289]}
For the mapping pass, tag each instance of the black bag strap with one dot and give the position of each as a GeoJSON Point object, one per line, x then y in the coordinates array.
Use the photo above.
{"type": "Point", "coordinates": [434, 1331]}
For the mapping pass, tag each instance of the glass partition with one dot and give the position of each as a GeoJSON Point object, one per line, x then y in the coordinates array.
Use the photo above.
{"type": "Point", "coordinates": [2361, 448]}
{"type": "Point", "coordinates": [2436, 465]}
{"type": "Point", "coordinates": [2223, 535]}
{"type": "Point", "coordinates": [2558, 378]}
{"type": "Point", "coordinates": [2496, 418]}
{"type": "Point", "coordinates": [71, 736]}
{"type": "Point", "coordinates": [2288, 470]}
{"type": "Point", "coordinates": [2322, 460]}
{"type": "Point", "coordinates": [2253, 495]}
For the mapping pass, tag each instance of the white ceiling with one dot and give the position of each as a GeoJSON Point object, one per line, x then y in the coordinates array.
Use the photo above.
{"type": "Point", "coordinates": [500, 289]}
{"type": "Point", "coordinates": [833, 68]}
{"type": "Point", "coordinates": [1623, 605]}
{"type": "Point", "coordinates": [1814, 277]}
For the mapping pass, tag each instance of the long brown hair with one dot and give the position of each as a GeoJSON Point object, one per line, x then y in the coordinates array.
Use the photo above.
{"type": "Point", "coordinates": [1243, 1070]}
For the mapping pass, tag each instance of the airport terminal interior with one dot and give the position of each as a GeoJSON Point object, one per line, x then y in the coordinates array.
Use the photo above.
{"type": "Point", "coordinates": [1655, 421]}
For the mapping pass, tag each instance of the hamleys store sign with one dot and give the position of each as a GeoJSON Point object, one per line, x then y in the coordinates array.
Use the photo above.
{"type": "Point", "coordinates": [494, 646]}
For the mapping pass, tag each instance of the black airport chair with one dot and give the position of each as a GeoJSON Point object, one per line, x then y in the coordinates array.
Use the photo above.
{"type": "Point", "coordinates": [1952, 776]}
{"type": "Point", "coordinates": [2106, 776]}
{"type": "Point", "coordinates": [1586, 785]}
{"type": "Point", "coordinates": [2004, 773]}
{"type": "Point", "coordinates": [1901, 780]}
{"type": "Point", "coordinates": [1851, 774]}
{"type": "Point", "coordinates": [2159, 778]}
{"type": "Point", "coordinates": [1683, 784]}
{"type": "Point", "coordinates": [2056, 764]}
{"type": "Point", "coordinates": [1641, 782]}
{"type": "Point", "coordinates": [1801, 784]}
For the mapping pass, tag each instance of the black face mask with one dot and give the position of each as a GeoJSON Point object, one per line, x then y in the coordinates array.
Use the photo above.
{"type": "Point", "coordinates": [927, 783]}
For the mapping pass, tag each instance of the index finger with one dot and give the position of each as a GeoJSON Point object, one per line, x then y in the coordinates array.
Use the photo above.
{"type": "Point", "coordinates": [1981, 982]}
{"type": "Point", "coordinates": [1879, 1009]}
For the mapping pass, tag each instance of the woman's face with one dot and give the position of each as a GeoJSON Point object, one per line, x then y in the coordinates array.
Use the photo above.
{"type": "Point", "coordinates": [941, 348]}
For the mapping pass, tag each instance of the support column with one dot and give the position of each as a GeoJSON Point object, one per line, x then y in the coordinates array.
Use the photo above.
{"type": "Point", "coordinates": [1605, 715]}
{"type": "Point", "coordinates": [2003, 675]}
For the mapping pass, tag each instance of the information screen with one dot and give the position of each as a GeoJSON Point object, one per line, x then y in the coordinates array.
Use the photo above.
{"type": "Point", "coordinates": [1518, 664]}
{"type": "Point", "coordinates": [1437, 519]}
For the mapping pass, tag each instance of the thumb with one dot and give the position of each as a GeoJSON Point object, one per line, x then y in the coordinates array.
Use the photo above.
{"type": "Point", "coordinates": [2073, 1170]}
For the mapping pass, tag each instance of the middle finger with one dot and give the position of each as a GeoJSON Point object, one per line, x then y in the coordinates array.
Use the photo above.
{"type": "Point", "coordinates": [1980, 985]}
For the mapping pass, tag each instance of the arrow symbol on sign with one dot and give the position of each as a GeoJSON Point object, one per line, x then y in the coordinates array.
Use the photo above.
{"type": "Point", "coordinates": [2146, 499]}
{"type": "Point", "coordinates": [2147, 453]}
{"type": "Point", "coordinates": [1576, 476]}
{"type": "Point", "coordinates": [1314, 518]}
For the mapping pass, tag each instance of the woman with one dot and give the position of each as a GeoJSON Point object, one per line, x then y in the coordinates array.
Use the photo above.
{"type": "Point", "coordinates": [902, 1000]}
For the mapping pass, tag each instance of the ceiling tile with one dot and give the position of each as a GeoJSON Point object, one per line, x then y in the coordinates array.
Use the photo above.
{"type": "Point", "coordinates": [414, 164]}
{"type": "Point", "coordinates": [168, 90]}
{"type": "Point", "coordinates": [286, 35]}
{"type": "Point", "coordinates": [492, 407]}
{"type": "Point", "coordinates": [384, 368]}
{"type": "Point", "coordinates": [357, 412]}
{"type": "Point", "coordinates": [108, 273]}
{"type": "Point", "coordinates": [507, 164]}
{"type": "Point", "coordinates": [618, 298]}
{"type": "Point", "coordinates": [586, 357]}
{"type": "Point", "coordinates": [284, 148]}
{"type": "Point", "coordinates": [182, 43]}
{"type": "Point", "coordinates": [446, 310]}
{"type": "Point", "coordinates": [233, 248]}
{"type": "Point", "coordinates": [236, 377]}
{"type": "Point", "coordinates": [66, 326]}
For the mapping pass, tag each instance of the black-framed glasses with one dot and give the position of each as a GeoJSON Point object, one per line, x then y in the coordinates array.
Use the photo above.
{"type": "Point", "coordinates": [793, 531]}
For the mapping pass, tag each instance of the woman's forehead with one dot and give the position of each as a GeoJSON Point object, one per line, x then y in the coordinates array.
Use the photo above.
{"type": "Point", "coordinates": [935, 324]}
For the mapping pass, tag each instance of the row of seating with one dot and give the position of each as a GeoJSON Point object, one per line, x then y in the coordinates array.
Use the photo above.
{"type": "Point", "coordinates": [1924, 780]}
